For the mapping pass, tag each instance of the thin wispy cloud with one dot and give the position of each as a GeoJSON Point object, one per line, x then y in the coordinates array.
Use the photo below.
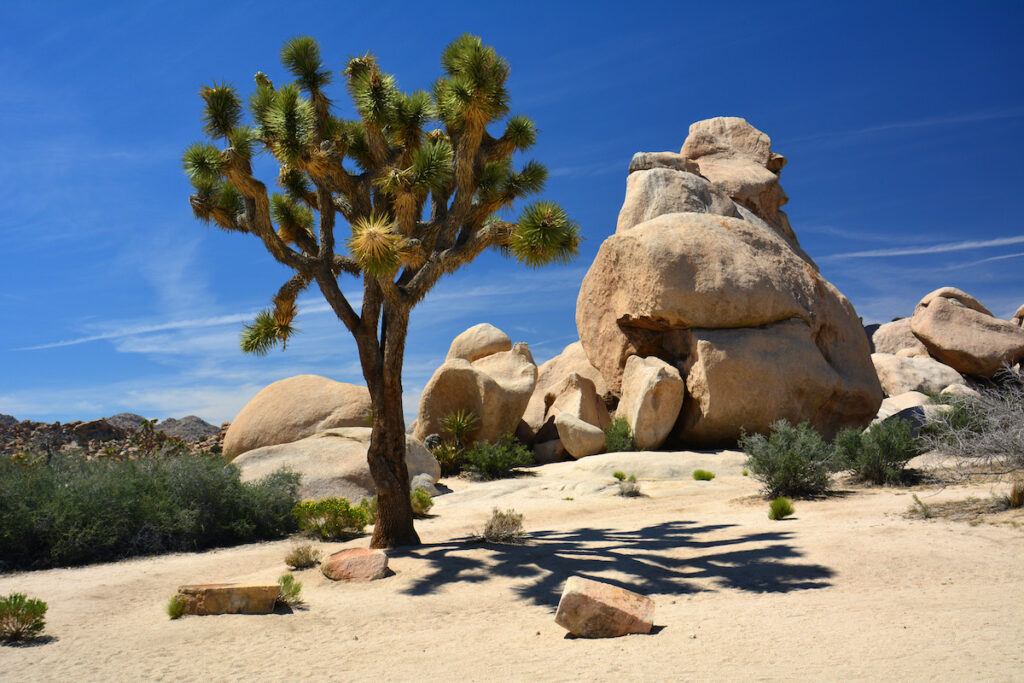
{"type": "Point", "coordinates": [990, 259]}
{"type": "Point", "coordinates": [932, 249]}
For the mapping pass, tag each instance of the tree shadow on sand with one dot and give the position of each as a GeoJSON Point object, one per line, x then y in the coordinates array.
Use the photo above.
{"type": "Point", "coordinates": [646, 560]}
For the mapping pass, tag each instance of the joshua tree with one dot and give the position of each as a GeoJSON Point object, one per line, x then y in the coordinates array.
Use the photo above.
{"type": "Point", "coordinates": [377, 172]}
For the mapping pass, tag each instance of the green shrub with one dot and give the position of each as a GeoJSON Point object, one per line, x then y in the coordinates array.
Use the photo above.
{"type": "Point", "coordinates": [290, 593]}
{"type": "Point", "coordinates": [504, 527]}
{"type": "Point", "coordinates": [628, 486]}
{"type": "Point", "coordinates": [703, 475]}
{"type": "Point", "coordinates": [880, 454]}
{"type": "Point", "coordinates": [497, 460]}
{"type": "Point", "coordinates": [791, 461]}
{"type": "Point", "coordinates": [450, 457]}
{"type": "Point", "coordinates": [176, 606]}
{"type": "Point", "coordinates": [369, 506]}
{"type": "Point", "coordinates": [459, 424]}
{"type": "Point", "coordinates": [330, 518]}
{"type": "Point", "coordinates": [619, 474]}
{"type": "Point", "coordinates": [302, 556]}
{"type": "Point", "coordinates": [745, 472]}
{"type": "Point", "coordinates": [21, 617]}
{"type": "Point", "coordinates": [779, 508]}
{"type": "Point", "coordinates": [68, 510]}
{"type": "Point", "coordinates": [618, 437]}
{"type": "Point", "coordinates": [421, 502]}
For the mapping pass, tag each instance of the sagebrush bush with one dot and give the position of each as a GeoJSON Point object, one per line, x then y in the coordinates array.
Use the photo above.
{"type": "Point", "coordinates": [618, 437]}
{"type": "Point", "coordinates": [504, 527]}
{"type": "Point", "coordinates": [780, 508]}
{"type": "Point", "coordinates": [791, 461]}
{"type": "Point", "coordinates": [290, 591]}
{"type": "Point", "coordinates": [879, 455]}
{"type": "Point", "coordinates": [629, 487]}
{"type": "Point", "coordinates": [498, 459]}
{"type": "Point", "coordinates": [67, 510]}
{"type": "Point", "coordinates": [703, 475]}
{"type": "Point", "coordinates": [331, 518]}
{"type": "Point", "coordinates": [421, 502]}
{"type": "Point", "coordinates": [176, 606]}
{"type": "Point", "coordinates": [21, 617]}
{"type": "Point", "coordinates": [302, 556]}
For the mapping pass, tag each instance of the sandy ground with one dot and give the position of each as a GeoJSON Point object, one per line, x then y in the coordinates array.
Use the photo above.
{"type": "Point", "coordinates": [847, 589]}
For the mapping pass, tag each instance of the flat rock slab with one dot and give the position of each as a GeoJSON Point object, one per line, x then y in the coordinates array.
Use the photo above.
{"type": "Point", "coordinates": [229, 598]}
{"type": "Point", "coordinates": [592, 609]}
{"type": "Point", "coordinates": [355, 564]}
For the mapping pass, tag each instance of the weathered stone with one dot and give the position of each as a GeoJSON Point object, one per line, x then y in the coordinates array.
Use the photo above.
{"type": "Point", "coordinates": [549, 451]}
{"type": "Point", "coordinates": [964, 338]}
{"type": "Point", "coordinates": [955, 294]}
{"type": "Point", "coordinates": [918, 416]}
{"type": "Point", "coordinates": [98, 430]}
{"type": "Point", "coordinates": [355, 564]}
{"type": "Point", "coordinates": [895, 404]}
{"type": "Point", "coordinates": [592, 609]}
{"type": "Point", "coordinates": [643, 161]}
{"type": "Point", "coordinates": [229, 598]}
{"type": "Point", "coordinates": [294, 408]}
{"type": "Point", "coordinates": [960, 390]}
{"type": "Point", "coordinates": [897, 338]}
{"type": "Point", "coordinates": [579, 438]}
{"type": "Point", "coordinates": [899, 375]}
{"type": "Point", "coordinates": [650, 194]}
{"type": "Point", "coordinates": [479, 341]}
{"type": "Point", "coordinates": [551, 375]}
{"type": "Point", "coordinates": [652, 396]}
{"type": "Point", "coordinates": [333, 463]}
{"type": "Point", "coordinates": [577, 396]}
{"type": "Point", "coordinates": [1018, 317]}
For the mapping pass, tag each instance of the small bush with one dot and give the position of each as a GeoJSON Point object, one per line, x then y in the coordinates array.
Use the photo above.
{"type": "Point", "coordinates": [369, 506]}
{"type": "Point", "coordinates": [620, 475]}
{"type": "Point", "coordinates": [21, 617]}
{"type": "Point", "coordinates": [497, 460]}
{"type": "Point", "coordinates": [459, 424]}
{"type": "Point", "coordinates": [791, 461]}
{"type": "Point", "coordinates": [1016, 497]}
{"type": "Point", "coordinates": [330, 518]}
{"type": "Point", "coordinates": [421, 502]}
{"type": "Point", "coordinates": [618, 437]}
{"type": "Point", "coordinates": [450, 457]}
{"type": "Point", "coordinates": [629, 487]}
{"type": "Point", "coordinates": [175, 606]}
{"type": "Point", "coordinates": [290, 593]}
{"type": "Point", "coordinates": [703, 475]}
{"type": "Point", "coordinates": [880, 454]}
{"type": "Point", "coordinates": [504, 527]}
{"type": "Point", "coordinates": [745, 473]}
{"type": "Point", "coordinates": [779, 508]}
{"type": "Point", "coordinates": [302, 556]}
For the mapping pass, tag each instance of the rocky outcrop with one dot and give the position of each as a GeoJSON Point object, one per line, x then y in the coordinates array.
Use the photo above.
{"type": "Point", "coordinates": [898, 339]}
{"type": "Point", "coordinates": [229, 598]}
{"type": "Point", "coordinates": [651, 193]}
{"type": "Point", "coordinates": [591, 609]}
{"type": "Point", "coordinates": [356, 564]}
{"type": "Point", "coordinates": [333, 463]}
{"type": "Point", "coordinates": [479, 341]}
{"type": "Point", "coordinates": [652, 395]}
{"type": "Point", "coordinates": [496, 388]}
{"type": "Point", "coordinates": [733, 303]}
{"type": "Point", "coordinates": [292, 409]}
{"type": "Point", "coordinates": [899, 374]}
{"type": "Point", "coordinates": [188, 428]}
{"type": "Point", "coordinates": [960, 332]}
{"type": "Point", "coordinates": [551, 375]}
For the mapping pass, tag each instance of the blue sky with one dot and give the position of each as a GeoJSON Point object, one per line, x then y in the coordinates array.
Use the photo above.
{"type": "Point", "coordinates": [902, 122]}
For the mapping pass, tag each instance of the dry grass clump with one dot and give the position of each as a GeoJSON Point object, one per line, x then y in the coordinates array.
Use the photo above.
{"type": "Point", "coordinates": [780, 508]}
{"type": "Point", "coordinates": [290, 594]}
{"type": "Point", "coordinates": [302, 556]}
{"type": "Point", "coordinates": [629, 487]}
{"type": "Point", "coordinates": [972, 510]}
{"type": "Point", "coordinates": [504, 527]}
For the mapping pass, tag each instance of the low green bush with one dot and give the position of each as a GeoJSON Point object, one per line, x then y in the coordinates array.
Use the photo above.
{"type": "Point", "coordinates": [21, 617]}
{"type": "Point", "coordinates": [504, 527]}
{"type": "Point", "coordinates": [880, 454]}
{"type": "Point", "coordinates": [175, 606]}
{"type": "Point", "coordinates": [791, 461]}
{"type": "Point", "coordinates": [629, 487]}
{"type": "Point", "coordinates": [67, 510]}
{"type": "Point", "coordinates": [618, 437]}
{"type": "Point", "coordinates": [780, 508]}
{"type": "Point", "coordinates": [497, 460]}
{"type": "Point", "coordinates": [290, 591]}
{"type": "Point", "coordinates": [619, 474]}
{"type": "Point", "coordinates": [331, 518]}
{"type": "Point", "coordinates": [703, 475]}
{"type": "Point", "coordinates": [450, 457]}
{"type": "Point", "coordinates": [421, 502]}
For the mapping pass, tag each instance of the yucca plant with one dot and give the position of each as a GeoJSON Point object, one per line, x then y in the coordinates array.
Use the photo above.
{"type": "Point", "coordinates": [417, 178]}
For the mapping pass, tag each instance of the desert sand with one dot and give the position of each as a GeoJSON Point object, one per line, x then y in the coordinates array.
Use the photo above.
{"type": "Point", "coordinates": [848, 588]}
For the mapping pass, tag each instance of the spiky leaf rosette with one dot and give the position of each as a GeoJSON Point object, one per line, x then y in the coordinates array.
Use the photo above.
{"type": "Point", "coordinates": [293, 219]}
{"type": "Point", "coordinates": [545, 234]}
{"type": "Point", "coordinates": [288, 122]}
{"type": "Point", "coordinates": [264, 333]}
{"type": "Point", "coordinates": [375, 246]}
{"type": "Point", "coordinates": [223, 109]}
{"type": "Point", "coordinates": [432, 166]}
{"type": "Point", "coordinates": [475, 87]}
{"type": "Point", "coordinates": [301, 56]}
{"type": "Point", "coordinates": [202, 164]}
{"type": "Point", "coordinates": [520, 132]}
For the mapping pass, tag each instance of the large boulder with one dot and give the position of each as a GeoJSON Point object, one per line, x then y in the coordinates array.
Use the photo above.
{"type": "Point", "coordinates": [551, 375]}
{"type": "Point", "coordinates": [652, 395]}
{"type": "Point", "coordinates": [229, 598]}
{"type": "Point", "coordinates": [593, 609]}
{"type": "Point", "coordinates": [732, 301]}
{"type": "Point", "coordinates": [294, 408]}
{"type": "Point", "coordinates": [356, 564]}
{"type": "Point", "coordinates": [899, 374]}
{"type": "Point", "coordinates": [333, 463]}
{"type": "Point", "coordinates": [579, 438]}
{"type": "Point", "coordinates": [963, 334]}
{"type": "Point", "coordinates": [496, 388]}
{"type": "Point", "coordinates": [479, 341]}
{"type": "Point", "coordinates": [577, 396]}
{"type": "Point", "coordinates": [898, 339]}
{"type": "Point", "coordinates": [654, 192]}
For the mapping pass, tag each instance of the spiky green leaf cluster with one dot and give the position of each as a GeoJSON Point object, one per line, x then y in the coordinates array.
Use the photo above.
{"type": "Point", "coordinates": [374, 93]}
{"type": "Point", "coordinates": [295, 184]}
{"type": "Point", "coordinates": [545, 234]}
{"type": "Point", "coordinates": [521, 132]}
{"type": "Point", "coordinates": [264, 333]}
{"type": "Point", "coordinates": [432, 166]}
{"type": "Point", "coordinates": [286, 121]}
{"type": "Point", "coordinates": [202, 163]}
{"type": "Point", "coordinates": [292, 217]}
{"type": "Point", "coordinates": [375, 246]}
{"type": "Point", "coordinates": [301, 56]}
{"type": "Point", "coordinates": [223, 109]}
{"type": "Point", "coordinates": [475, 86]}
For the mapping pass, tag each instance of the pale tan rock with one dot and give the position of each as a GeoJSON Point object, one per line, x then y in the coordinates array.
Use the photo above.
{"type": "Point", "coordinates": [592, 609]}
{"type": "Point", "coordinates": [658, 191]}
{"type": "Point", "coordinates": [294, 408]}
{"type": "Point", "coordinates": [652, 396]}
{"type": "Point", "coordinates": [961, 390]}
{"type": "Point", "coordinates": [229, 598]}
{"type": "Point", "coordinates": [579, 438]}
{"type": "Point", "coordinates": [1018, 317]}
{"type": "Point", "coordinates": [454, 386]}
{"type": "Point", "coordinates": [577, 396]}
{"type": "Point", "coordinates": [897, 338]}
{"type": "Point", "coordinates": [333, 463]}
{"type": "Point", "coordinates": [956, 295]}
{"type": "Point", "coordinates": [900, 402]}
{"type": "Point", "coordinates": [899, 375]}
{"type": "Point", "coordinates": [966, 339]}
{"type": "Point", "coordinates": [550, 376]}
{"type": "Point", "coordinates": [355, 564]}
{"type": "Point", "coordinates": [479, 341]}
{"type": "Point", "coordinates": [643, 161]}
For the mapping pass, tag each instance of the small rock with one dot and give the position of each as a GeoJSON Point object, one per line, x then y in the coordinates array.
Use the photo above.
{"type": "Point", "coordinates": [355, 564]}
{"type": "Point", "coordinates": [229, 598]}
{"type": "Point", "coordinates": [592, 609]}
{"type": "Point", "coordinates": [960, 390]}
{"type": "Point", "coordinates": [579, 438]}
